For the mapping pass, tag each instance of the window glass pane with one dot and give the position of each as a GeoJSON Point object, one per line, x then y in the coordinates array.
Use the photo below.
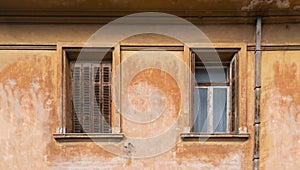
{"type": "Point", "coordinates": [200, 109]}
{"type": "Point", "coordinates": [219, 109]}
{"type": "Point", "coordinates": [211, 75]}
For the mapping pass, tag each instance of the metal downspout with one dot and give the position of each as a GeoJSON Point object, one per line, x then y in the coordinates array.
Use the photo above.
{"type": "Point", "coordinates": [257, 91]}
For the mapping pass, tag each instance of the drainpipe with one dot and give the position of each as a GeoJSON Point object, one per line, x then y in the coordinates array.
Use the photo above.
{"type": "Point", "coordinates": [257, 91]}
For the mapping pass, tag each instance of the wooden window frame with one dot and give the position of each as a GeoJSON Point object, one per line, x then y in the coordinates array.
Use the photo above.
{"type": "Point", "coordinates": [210, 86]}
{"type": "Point", "coordinates": [210, 114]}
{"type": "Point", "coordinates": [240, 132]}
{"type": "Point", "coordinates": [215, 83]}
{"type": "Point", "coordinates": [62, 135]}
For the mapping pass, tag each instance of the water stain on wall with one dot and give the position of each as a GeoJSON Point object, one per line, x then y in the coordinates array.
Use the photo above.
{"type": "Point", "coordinates": [280, 114]}
{"type": "Point", "coordinates": [159, 86]}
{"type": "Point", "coordinates": [29, 118]}
{"type": "Point", "coordinates": [26, 106]}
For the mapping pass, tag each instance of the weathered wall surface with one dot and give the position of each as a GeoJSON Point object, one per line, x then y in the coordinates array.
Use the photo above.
{"type": "Point", "coordinates": [280, 110]}
{"type": "Point", "coordinates": [30, 106]}
{"type": "Point", "coordinates": [27, 108]}
{"type": "Point", "coordinates": [28, 119]}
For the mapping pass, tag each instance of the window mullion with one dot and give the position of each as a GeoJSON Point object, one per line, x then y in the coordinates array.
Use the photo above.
{"type": "Point", "coordinates": [228, 111]}
{"type": "Point", "coordinates": [210, 110]}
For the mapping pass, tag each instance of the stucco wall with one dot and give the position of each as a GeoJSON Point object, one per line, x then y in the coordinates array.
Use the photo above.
{"type": "Point", "coordinates": [31, 103]}
{"type": "Point", "coordinates": [280, 134]}
{"type": "Point", "coordinates": [27, 108]}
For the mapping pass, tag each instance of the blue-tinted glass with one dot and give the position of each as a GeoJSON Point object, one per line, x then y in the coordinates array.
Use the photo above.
{"type": "Point", "coordinates": [219, 109]}
{"type": "Point", "coordinates": [200, 109]}
{"type": "Point", "coordinates": [211, 75]}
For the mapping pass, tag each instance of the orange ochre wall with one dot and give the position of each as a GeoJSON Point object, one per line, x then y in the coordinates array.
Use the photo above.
{"type": "Point", "coordinates": [30, 105]}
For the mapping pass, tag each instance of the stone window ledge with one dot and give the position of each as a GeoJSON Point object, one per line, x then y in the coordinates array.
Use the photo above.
{"type": "Point", "coordinates": [88, 137]}
{"type": "Point", "coordinates": [214, 137]}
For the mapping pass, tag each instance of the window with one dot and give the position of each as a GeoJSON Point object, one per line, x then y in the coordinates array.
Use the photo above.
{"type": "Point", "coordinates": [91, 97]}
{"type": "Point", "coordinates": [88, 103]}
{"type": "Point", "coordinates": [215, 91]}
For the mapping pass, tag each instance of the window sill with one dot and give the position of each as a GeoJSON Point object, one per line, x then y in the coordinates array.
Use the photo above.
{"type": "Point", "coordinates": [214, 137]}
{"type": "Point", "coordinates": [88, 137]}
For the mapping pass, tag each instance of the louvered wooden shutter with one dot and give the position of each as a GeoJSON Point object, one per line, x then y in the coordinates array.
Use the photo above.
{"type": "Point", "coordinates": [86, 100]}
{"type": "Point", "coordinates": [91, 97]}
{"type": "Point", "coordinates": [193, 84]}
{"type": "Point", "coordinates": [234, 79]}
{"type": "Point", "coordinates": [76, 90]}
{"type": "Point", "coordinates": [96, 98]}
{"type": "Point", "coordinates": [106, 97]}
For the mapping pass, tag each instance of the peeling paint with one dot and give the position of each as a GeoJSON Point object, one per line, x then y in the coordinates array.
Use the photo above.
{"type": "Point", "coordinates": [283, 3]}
{"type": "Point", "coordinates": [253, 4]}
{"type": "Point", "coordinates": [280, 113]}
{"type": "Point", "coordinates": [24, 115]}
{"type": "Point", "coordinates": [29, 116]}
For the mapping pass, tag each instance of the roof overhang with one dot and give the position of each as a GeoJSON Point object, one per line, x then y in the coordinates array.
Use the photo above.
{"type": "Point", "coordinates": [196, 11]}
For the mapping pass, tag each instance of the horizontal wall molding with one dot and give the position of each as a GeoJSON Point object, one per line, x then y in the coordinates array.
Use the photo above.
{"type": "Point", "coordinates": [88, 137]}
{"type": "Point", "coordinates": [213, 137]}
{"type": "Point", "coordinates": [27, 47]}
{"type": "Point", "coordinates": [276, 48]}
{"type": "Point", "coordinates": [151, 48]}
{"type": "Point", "coordinates": [54, 47]}
{"type": "Point", "coordinates": [102, 17]}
